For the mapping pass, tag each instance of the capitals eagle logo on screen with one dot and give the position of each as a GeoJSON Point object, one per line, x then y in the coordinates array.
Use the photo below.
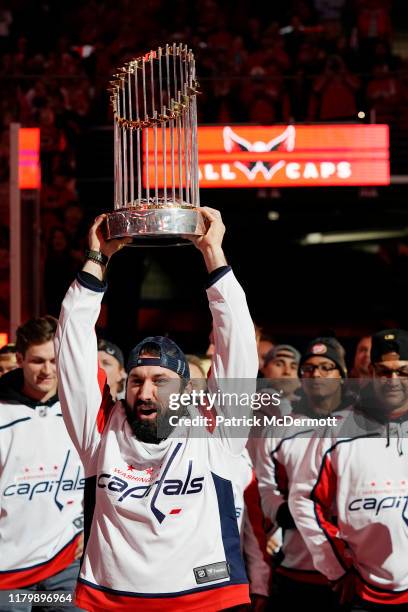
{"type": "Point", "coordinates": [282, 142]}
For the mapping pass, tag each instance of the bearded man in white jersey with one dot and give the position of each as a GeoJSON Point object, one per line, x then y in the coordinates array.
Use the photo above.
{"type": "Point", "coordinates": [159, 504]}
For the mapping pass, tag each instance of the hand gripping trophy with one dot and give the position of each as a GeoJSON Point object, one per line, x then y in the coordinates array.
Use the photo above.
{"type": "Point", "coordinates": [155, 149]}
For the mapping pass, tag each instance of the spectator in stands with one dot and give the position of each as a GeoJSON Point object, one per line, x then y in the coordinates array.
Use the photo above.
{"type": "Point", "coordinates": [6, 21]}
{"type": "Point", "coordinates": [4, 276]}
{"type": "Point", "coordinates": [59, 268]}
{"type": "Point", "coordinates": [52, 141]}
{"type": "Point", "coordinates": [334, 92]}
{"type": "Point", "coordinates": [55, 199]}
{"type": "Point", "coordinates": [329, 10]}
{"type": "Point", "coordinates": [373, 20]}
{"type": "Point", "coordinates": [383, 93]}
{"type": "Point", "coordinates": [37, 97]}
{"type": "Point", "coordinates": [73, 221]}
{"type": "Point", "coordinates": [382, 54]}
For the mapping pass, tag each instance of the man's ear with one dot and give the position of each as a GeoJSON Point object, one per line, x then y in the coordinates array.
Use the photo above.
{"type": "Point", "coordinates": [20, 359]}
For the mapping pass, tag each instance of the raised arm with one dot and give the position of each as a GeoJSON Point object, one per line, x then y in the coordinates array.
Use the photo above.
{"type": "Point", "coordinates": [234, 366]}
{"type": "Point", "coordinates": [235, 355]}
{"type": "Point", "coordinates": [85, 398]}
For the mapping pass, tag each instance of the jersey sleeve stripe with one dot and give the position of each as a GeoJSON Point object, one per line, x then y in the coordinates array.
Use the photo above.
{"type": "Point", "coordinates": [323, 495]}
{"type": "Point", "coordinates": [255, 515]}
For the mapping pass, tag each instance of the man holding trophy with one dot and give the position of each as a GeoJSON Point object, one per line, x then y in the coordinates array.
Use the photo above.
{"type": "Point", "coordinates": [160, 519]}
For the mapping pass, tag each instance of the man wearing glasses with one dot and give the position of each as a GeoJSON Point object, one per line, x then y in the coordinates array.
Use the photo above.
{"type": "Point", "coordinates": [323, 370]}
{"type": "Point", "coordinates": [279, 461]}
{"type": "Point", "coordinates": [362, 472]}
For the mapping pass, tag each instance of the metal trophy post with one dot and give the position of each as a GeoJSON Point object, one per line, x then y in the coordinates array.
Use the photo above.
{"type": "Point", "coordinates": [155, 149]}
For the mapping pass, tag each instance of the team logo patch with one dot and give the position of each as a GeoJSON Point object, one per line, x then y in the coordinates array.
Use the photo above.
{"type": "Point", "coordinates": [389, 337]}
{"type": "Point", "coordinates": [211, 572]}
{"type": "Point", "coordinates": [319, 349]}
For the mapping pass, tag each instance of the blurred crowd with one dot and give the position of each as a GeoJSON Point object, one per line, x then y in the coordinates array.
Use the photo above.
{"type": "Point", "coordinates": [298, 60]}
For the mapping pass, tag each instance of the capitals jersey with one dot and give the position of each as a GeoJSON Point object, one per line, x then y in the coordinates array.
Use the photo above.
{"type": "Point", "coordinates": [251, 525]}
{"type": "Point", "coordinates": [164, 534]}
{"type": "Point", "coordinates": [41, 488]}
{"type": "Point", "coordinates": [359, 470]}
{"type": "Point", "coordinates": [279, 456]}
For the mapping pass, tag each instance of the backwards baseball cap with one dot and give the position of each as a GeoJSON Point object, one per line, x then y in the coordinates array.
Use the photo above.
{"type": "Point", "coordinates": [326, 347]}
{"type": "Point", "coordinates": [282, 350]}
{"type": "Point", "coordinates": [389, 341]}
{"type": "Point", "coordinates": [170, 356]}
{"type": "Point", "coordinates": [111, 349]}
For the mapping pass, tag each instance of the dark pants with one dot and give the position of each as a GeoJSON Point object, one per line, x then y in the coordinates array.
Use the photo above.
{"type": "Point", "coordinates": [64, 581]}
{"type": "Point", "coordinates": [292, 595]}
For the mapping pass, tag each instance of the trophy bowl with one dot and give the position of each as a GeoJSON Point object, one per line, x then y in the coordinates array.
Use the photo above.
{"type": "Point", "coordinates": [156, 226]}
{"type": "Point", "coordinates": [156, 175]}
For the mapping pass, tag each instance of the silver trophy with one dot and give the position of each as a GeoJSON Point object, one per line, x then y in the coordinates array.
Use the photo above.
{"type": "Point", "coordinates": [155, 149]}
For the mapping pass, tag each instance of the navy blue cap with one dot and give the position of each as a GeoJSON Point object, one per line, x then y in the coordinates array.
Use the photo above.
{"type": "Point", "coordinates": [111, 349]}
{"type": "Point", "coordinates": [170, 356]}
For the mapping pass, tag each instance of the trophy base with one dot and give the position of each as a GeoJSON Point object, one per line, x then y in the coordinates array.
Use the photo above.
{"type": "Point", "coordinates": [156, 226]}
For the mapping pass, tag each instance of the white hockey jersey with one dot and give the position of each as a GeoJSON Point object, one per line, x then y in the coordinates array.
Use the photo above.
{"type": "Point", "coordinates": [41, 488]}
{"type": "Point", "coordinates": [279, 457]}
{"type": "Point", "coordinates": [164, 534]}
{"type": "Point", "coordinates": [360, 471]}
{"type": "Point", "coordinates": [251, 526]}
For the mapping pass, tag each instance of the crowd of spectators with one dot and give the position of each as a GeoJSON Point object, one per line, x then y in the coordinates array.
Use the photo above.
{"type": "Point", "coordinates": [299, 60]}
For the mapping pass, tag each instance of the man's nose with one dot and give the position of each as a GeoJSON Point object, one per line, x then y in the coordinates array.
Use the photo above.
{"type": "Point", "coordinates": [146, 391]}
{"type": "Point", "coordinates": [287, 371]}
{"type": "Point", "coordinates": [47, 368]}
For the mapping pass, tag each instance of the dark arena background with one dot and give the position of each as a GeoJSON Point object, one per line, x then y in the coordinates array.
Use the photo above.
{"type": "Point", "coordinates": [319, 245]}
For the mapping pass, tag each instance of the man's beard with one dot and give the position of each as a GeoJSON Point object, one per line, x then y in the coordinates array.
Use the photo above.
{"type": "Point", "coordinates": [150, 431]}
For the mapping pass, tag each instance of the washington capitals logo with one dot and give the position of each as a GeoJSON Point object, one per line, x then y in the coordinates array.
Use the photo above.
{"type": "Point", "coordinates": [282, 142]}
{"type": "Point", "coordinates": [162, 486]}
{"type": "Point", "coordinates": [55, 483]}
